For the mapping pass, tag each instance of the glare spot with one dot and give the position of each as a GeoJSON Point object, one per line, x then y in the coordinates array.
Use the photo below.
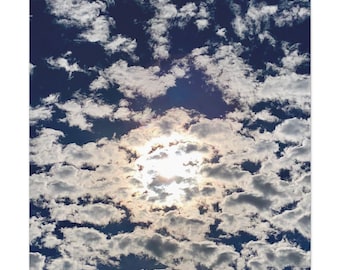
{"type": "Point", "coordinates": [169, 166]}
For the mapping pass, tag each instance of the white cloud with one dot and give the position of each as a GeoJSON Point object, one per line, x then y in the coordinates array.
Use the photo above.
{"type": "Point", "coordinates": [278, 255]}
{"type": "Point", "coordinates": [39, 113]}
{"type": "Point", "coordinates": [265, 115]}
{"type": "Point", "coordinates": [239, 26]}
{"type": "Point", "coordinates": [31, 67]}
{"type": "Point", "coordinates": [185, 14]}
{"type": "Point", "coordinates": [98, 214]}
{"type": "Point", "coordinates": [68, 264]}
{"type": "Point", "coordinates": [267, 36]}
{"type": "Point", "coordinates": [122, 44]}
{"type": "Point", "coordinates": [236, 80]}
{"type": "Point", "coordinates": [255, 20]}
{"type": "Point", "coordinates": [203, 11]}
{"type": "Point", "coordinates": [123, 113]}
{"type": "Point", "coordinates": [295, 13]}
{"type": "Point", "coordinates": [158, 28]}
{"type": "Point", "coordinates": [240, 195]}
{"type": "Point", "coordinates": [292, 58]}
{"type": "Point", "coordinates": [144, 116]}
{"type": "Point", "coordinates": [63, 63]}
{"type": "Point", "coordinates": [292, 87]}
{"type": "Point", "coordinates": [74, 115]}
{"type": "Point", "coordinates": [38, 228]}
{"type": "Point", "coordinates": [293, 130]}
{"type": "Point", "coordinates": [100, 83]}
{"type": "Point", "coordinates": [135, 80]}
{"type": "Point", "coordinates": [50, 240]}
{"type": "Point", "coordinates": [78, 110]}
{"type": "Point", "coordinates": [202, 24]}
{"type": "Point", "coordinates": [51, 99]}
{"type": "Point", "coordinates": [167, 16]}
{"type": "Point", "coordinates": [99, 31]}
{"type": "Point", "coordinates": [45, 149]}
{"type": "Point", "coordinates": [36, 261]}
{"type": "Point", "coordinates": [85, 15]}
{"type": "Point", "coordinates": [301, 152]}
{"type": "Point", "coordinates": [202, 16]}
{"type": "Point", "coordinates": [81, 13]}
{"type": "Point", "coordinates": [298, 218]}
{"type": "Point", "coordinates": [228, 72]}
{"type": "Point", "coordinates": [221, 32]}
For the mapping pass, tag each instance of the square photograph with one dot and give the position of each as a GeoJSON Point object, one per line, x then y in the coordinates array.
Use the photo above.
{"type": "Point", "coordinates": [169, 134]}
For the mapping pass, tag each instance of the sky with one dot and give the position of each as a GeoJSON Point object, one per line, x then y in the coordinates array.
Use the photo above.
{"type": "Point", "coordinates": [169, 135]}
{"type": "Point", "coordinates": [238, 194]}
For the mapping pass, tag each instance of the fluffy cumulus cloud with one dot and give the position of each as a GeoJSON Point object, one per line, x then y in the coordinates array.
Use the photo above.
{"type": "Point", "coordinates": [122, 44]}
{"type": "Point", "coordinates": [80, 13]}
{"type": "Point", "coordinates": [201, 189]}
{"type": "Point", "coordinates": [36, 261]}
{"type": "Point", "coordinates": [252, 22]}
{"type": "Point", "coordinates": [63, 63]}
{"type": "Point", "coordinates": [130, 167]}
{"type": "Point", "coordinates": [159, 27]}
{"type": "Point", "coordinates": [169, 16]}
{"type": "Point", "coordinates": [78, 109]}
{"type": "Point", "coordinates": [137, 81]}
{"type": "Point", "coordinates": [227, 70]}
{"type": "Point", "coordinates": [40, 113]}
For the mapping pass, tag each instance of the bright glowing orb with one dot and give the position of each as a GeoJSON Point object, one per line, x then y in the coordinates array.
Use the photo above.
{"type": "Point", "coordinates": [168, 167]}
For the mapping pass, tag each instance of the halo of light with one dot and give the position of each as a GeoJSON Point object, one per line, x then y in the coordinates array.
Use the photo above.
{"type": "Point", "coordinates": [168, 166]}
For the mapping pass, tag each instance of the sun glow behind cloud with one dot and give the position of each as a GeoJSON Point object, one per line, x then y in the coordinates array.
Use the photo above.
{"type": "Point", "coordinates": [167, 166]}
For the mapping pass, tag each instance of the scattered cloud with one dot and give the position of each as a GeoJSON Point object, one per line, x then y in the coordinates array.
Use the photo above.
{"type": "Point", "coordinates": [292, 58]}
{"type": "Point", "coordinates": [278, 255]}
{"type": "Point", "coordinates": [97, 214]}
{"type": "Point", "coordinates": [31, 67]}
{"type": "Point", "coordinates": [202, 24]}
{"type": "Point", "coordinates": [137, 81]}
{"type": "Point", "coordinates": [294, 130]}
{"type": "Point", "coordinates": [37, 261]}
{"type": "Point", "coordinates": [293, 14]}
{"type": "Point", "coordinates": [158, 28]}
{"type": "Point", "coordinates": [221, 32]}
{"type": "Point", "coordinates": [122, 44]}
{"type": "Point", "coordinates": [255, 20]}
{"type": "Point", "coordinates": [63, 63]}
{"type": "Point", "coordinates": [39, 113]}
{"type": "Point", "coordinates": [99, 31]}
{"type": "Point", "coordinates": [186, 13]}
{"type": "Point", "coordinates": [80, 13]}
{"type": "Point", "coordinates": [77, 111]}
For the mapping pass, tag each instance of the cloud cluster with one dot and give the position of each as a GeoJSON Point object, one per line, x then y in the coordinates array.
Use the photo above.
{"type": "Point", "coordinates": [78, 110]}
{"type": "Point", "coordinates": [254, 19]}
{"type": "Point", "coordinates": [80, 13]}
{"type": "Point", "coordinates": [39, 113]}
{"type": "Point", "coordinates": [258, 18]}
{"type": "Point", "coordinates": [94, 24]}
{"type": "Point", "coordinates": [84, 15]}
{"type": "Point", "coordinates": [63, 63]}
{"type": "Point", "coordinates": [109, 168]}
{"type": "Point", "coordinates": [167, 17]}
{"type": "Point", "coordinates": [179, 189]}
{"type": "Point", "coordinates": [137, 81]}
